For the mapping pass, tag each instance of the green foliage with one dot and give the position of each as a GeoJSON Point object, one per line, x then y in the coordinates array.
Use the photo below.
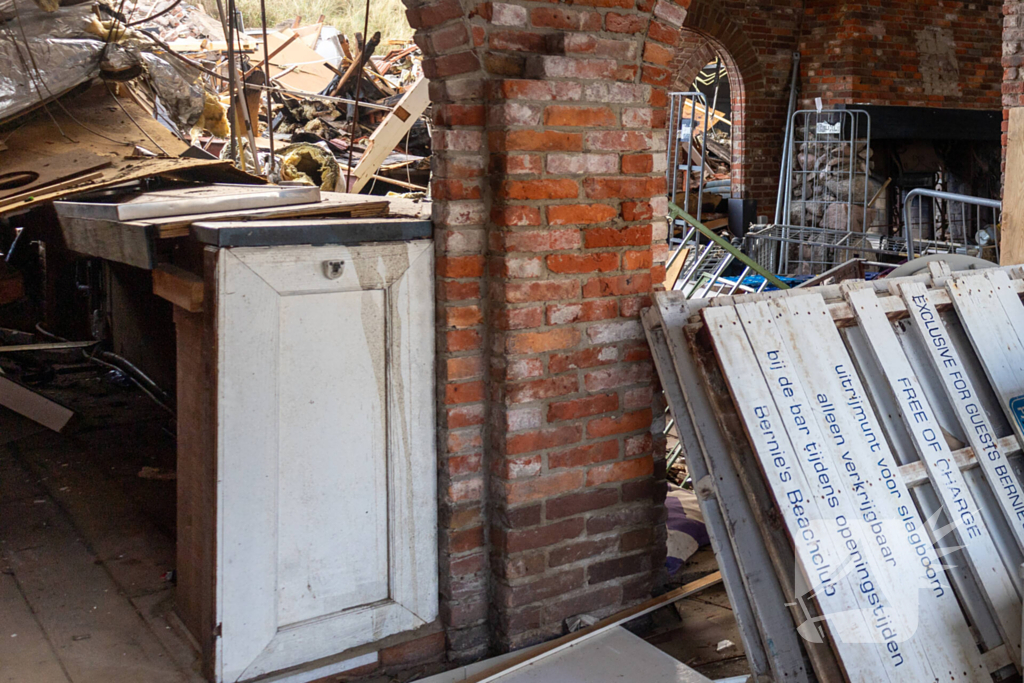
{"type": "Point", "coordinates": [386, 16]}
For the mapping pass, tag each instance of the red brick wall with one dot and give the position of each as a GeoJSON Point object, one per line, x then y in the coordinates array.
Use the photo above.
{"type": "Point", "coordinates": [1013, 61]}
{"type": "Point", "coordinates": [906, 53]}
{"type": "Point", "coordinates": [922, 53]}
{"type": "Point", "coordinates": [548, 186]}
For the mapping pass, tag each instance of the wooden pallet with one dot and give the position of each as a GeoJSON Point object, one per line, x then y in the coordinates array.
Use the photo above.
{"type": "Point", "coordinates": [832, 434]}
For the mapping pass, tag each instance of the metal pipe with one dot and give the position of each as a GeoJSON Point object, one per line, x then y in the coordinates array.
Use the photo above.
{"type": "Point", "coordinates": [936, 194]}
{"type": "Point", "coordinates": [787, 140]}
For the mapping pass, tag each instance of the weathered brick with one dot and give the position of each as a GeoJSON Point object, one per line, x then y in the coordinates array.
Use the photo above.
{"type": "Point", "coordinates": [540, 389]}
{"type": "Point", "coordinates": [557, 611]}
{"type": "Point", "coordinates": [624, 517]}
{"type": "Point", "coordinates": [607, 570]}
{"type": "Point", "coordinates": [539, 240]}
{"type": "Point", "coordinates": [467, 392]}
{"type": "Point", "coordinates": [581, 214]}
{"type": "Point", "coordinates": [586, 311]}
{"type": "Point", "coordinates": [540, 342]}
{"type": "Point", "coordinates": [547, 290]}
{"type": "Point", "coordinates": [538, 141]}
{"type": "Point", "coordinates": [580, 456]}
{"type": "Point", "coordinates": [625, 23]}
{"type": "Point", "coordinates": [515, 215]}
{"type": "Point", "coordinates": [540, 189]}
{"type": "Point", "coordinates": [635, 283]}
{"type": "Point", "coordinates": [574, 552]}
{"type": "Point", "coordinates": [543, 589]}
{"type": "Point", "coordinates": [466, 540]}
{"type": "Point", "coordinates": [544, 439]}
{"type": "Point", "coordinates": [578, 116]}
{"type": "Point", "coordinates": [586, 358]}
{"type": "Point", "coordinates": [539, 488]}
{"type": "Point", "coordinates": [583, 407]}
{"type": "Point", "coordinates": [543, 536]}
{"type": "Point", "coordinates": [593, 262]}
{"type": "Point", "coordinates": [465, 416]}
{"type": "Point", "coordinates": [620, 471]}
{"type": "Point", "coordinates": [578, 503]}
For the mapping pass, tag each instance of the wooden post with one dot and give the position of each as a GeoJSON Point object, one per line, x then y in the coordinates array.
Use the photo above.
{"type": "Point", "coordinates": [1012, 241]}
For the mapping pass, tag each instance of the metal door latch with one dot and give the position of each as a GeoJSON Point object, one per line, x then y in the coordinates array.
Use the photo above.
{"type": "Point", "coordinates": [333, 269]}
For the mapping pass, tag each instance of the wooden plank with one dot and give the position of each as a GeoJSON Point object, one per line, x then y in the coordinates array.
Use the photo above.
{"type": "Point", "coordinates": [675, 270]}
{"type": "Point", "coordinates": [33, 406]}
{"type": "Point", "coordinates": [23, 199]}
{"type": "Point", "coordinates": [841, 410]}
{"type": "Point", "coordinates": [960, 390]}
{"type": "Point", "coordinates": [534, 655]}
{"type": "Point", "coordinates": [389, 133]}
{"type": "Point", "coordinates": [914, 474]}
{"type": "Point", "coordinates": [947, 480]}
{"type": "Point", "coordinates": [995, 342]}
{"type": "Point", "coordinates": [129, 243]}
{"type": "Point", "coordinates": [747, 588]}
{"type": "Point", "coordinates": [928, 506]}
{"type": "Point", "coordinates": [330, 204]}
{"type": "Point", "coordinates": [53, 170]}
{"type": "Point", "coordinates": [25, 654]}
{"type": "Point", "coordinates": [1012, 243]}
{"type": "Point", "coordinates": [197, 470]}
{"type": "Point", "coordinates": [179, 286]}
{"type": "Point", "coordinates": [816, 550]}
{"type": "Point", "coordinates": [830, 473]}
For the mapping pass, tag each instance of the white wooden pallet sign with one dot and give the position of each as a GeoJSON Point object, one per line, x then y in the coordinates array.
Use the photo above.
{"type": "Point", "coordinates": [874, 424]}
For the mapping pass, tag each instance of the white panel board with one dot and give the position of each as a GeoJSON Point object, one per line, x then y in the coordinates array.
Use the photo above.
{"type": "Point", "coordinates": [611, 657]}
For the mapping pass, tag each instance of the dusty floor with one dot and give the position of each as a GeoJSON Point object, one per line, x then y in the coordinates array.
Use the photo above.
{"type": "Point", "coordinates": [86, 544]}
{"type": "Point", "coordinates": [695, 628]}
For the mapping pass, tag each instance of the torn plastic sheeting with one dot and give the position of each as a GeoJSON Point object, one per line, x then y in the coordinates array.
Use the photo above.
{"type": "Point", "coordinates": [60, 54]}
{"type": "Point", "coordinates": [329, 47]}
{"type": "Point", "coordinates": [180, 99]}
{"type": "Point", "coordinates": [63, 53]}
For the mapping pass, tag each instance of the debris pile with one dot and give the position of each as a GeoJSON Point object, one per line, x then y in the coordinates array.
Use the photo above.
{"type": "Point", "coordinates": [827, 180]}
{"type": "Point", "coordinates": [294, 87]}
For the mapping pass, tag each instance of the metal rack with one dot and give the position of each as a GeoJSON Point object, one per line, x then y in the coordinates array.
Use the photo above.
{"type": "Point", "coordinates": [834, 139]}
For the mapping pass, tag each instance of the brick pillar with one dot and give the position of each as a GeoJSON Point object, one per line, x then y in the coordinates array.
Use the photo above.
{"type": "Point", "coordinates": [1013, 62]}
{"type": "Point", "coordinates": [577, 181]}
{"type": "Point", "coordinates": [453, 65]}
{"type": "Point", "coordinates": [549, 198]}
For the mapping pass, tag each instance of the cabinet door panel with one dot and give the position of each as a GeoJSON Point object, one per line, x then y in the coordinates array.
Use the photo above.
{"type": "Point", "coordinates": [333, 454]}
{"type": "Point", "coordinates": [327, 528]}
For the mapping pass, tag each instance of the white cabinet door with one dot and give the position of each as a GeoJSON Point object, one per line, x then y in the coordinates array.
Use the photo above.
{"type": "Point", "coordinates": [327, 513]}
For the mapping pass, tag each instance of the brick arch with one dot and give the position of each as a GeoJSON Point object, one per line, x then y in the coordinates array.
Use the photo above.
{"type": "Point", "coordinates": [707, 32]}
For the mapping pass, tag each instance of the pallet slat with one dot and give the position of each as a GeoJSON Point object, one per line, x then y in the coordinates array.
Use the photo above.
{"type": "Point", "coordinates": [947, 480]}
